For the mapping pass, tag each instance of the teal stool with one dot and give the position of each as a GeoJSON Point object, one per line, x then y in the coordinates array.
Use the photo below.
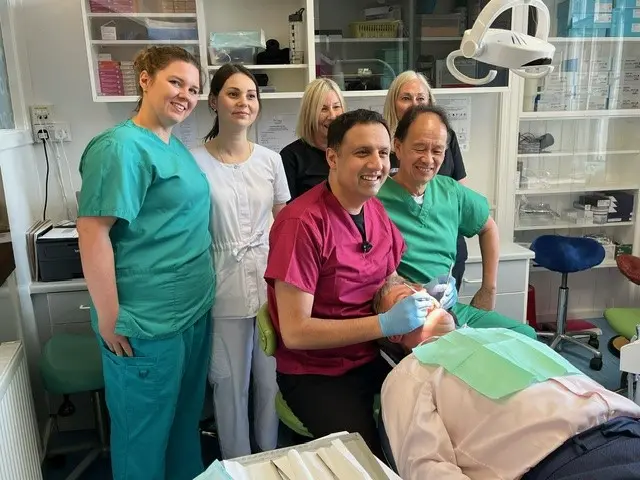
{"type": "Point", "coordinates": [71, 364]}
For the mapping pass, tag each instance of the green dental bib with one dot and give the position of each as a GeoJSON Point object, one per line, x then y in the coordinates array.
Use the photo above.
{"type": "Point", "coordinates": [495, 362]}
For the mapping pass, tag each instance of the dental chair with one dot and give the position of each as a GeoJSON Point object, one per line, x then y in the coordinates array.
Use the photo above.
{"type": "Point", "coordinates": [268, 342]}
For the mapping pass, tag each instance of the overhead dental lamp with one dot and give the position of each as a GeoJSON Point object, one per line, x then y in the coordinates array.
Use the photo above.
{"type": "Point", "coordinates": [526, 56]}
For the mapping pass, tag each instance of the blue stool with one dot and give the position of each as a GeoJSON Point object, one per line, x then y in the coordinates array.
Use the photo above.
{"type": "Point", "coordinates": [567, 255]}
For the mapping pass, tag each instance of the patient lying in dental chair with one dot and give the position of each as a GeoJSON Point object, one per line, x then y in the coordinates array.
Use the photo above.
{"type": "Point", "coordinates": [491, 404]}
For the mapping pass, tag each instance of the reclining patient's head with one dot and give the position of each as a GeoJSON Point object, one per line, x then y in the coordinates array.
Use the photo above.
{"type": "Point", "coordinates": [439, 322]}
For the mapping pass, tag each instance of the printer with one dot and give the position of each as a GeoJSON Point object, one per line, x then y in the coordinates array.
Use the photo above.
{"type": "Point", "coordinates": [58, 255]}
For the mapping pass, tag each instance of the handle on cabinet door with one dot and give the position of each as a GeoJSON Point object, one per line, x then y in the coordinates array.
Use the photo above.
{"type": "Point", "coordinates": [84, 307]}
{"type": "Point", "coordinates": [466, 280]}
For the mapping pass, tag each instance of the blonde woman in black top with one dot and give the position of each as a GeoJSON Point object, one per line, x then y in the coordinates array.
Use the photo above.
{"type": "Point", "coordinates": [304, 160]}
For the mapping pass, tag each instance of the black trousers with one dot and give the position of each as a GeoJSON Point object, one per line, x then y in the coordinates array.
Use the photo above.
{"type": "Point", "coordinates": [328, 405]}
{"type": "Point", "coordinates": [461, 258]}
{"type": "Point", "coordinates": [610, 451]}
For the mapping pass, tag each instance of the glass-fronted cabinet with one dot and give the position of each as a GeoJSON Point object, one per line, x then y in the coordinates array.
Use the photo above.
{"type": "Point", "coordinates": [578, 153]}
{"type": "Point", "coordinates": [369, 42]}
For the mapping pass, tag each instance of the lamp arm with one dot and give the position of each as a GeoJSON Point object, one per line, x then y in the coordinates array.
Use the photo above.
{"type": "Point", "coordinates": [493, 9]}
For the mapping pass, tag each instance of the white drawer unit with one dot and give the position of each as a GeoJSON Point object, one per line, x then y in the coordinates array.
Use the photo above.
{"type": "Point", "coordinates": [512, 305]}
{"type": "Point", "coordinates": [512, 277]}
{"type": "Point", "coordinates": [512, 282]}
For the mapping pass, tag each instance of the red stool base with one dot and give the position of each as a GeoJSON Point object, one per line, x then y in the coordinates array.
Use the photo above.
{"type": "Point", "coordinates": [572, 326]}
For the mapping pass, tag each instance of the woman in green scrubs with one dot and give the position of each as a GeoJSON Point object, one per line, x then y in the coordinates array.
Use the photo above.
{"type": "Point", "coordinates": [143, 225]}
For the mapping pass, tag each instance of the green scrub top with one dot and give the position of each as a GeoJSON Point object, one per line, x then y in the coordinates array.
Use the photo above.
{"type": "Point", "coordinates": [430, 230]}
{"type": "Point", "coordinates": [161, 238]}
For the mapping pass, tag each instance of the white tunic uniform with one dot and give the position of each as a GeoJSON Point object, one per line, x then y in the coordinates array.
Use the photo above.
{"type": "Point", "coordinates": [242, 197]}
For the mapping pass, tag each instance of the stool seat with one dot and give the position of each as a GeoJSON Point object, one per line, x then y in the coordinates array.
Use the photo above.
{"type": "Point", "coordinates": [71, 363]}
{"type": "Point", "coordinates": [623, 320]}
{"type": "Point", "coordinates": [629, 266]}
{"type": "Point", "coordinates": [567, 254]}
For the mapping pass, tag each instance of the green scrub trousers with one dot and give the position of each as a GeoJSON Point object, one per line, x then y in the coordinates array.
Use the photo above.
{"type": "Point", "coordinates": [155, 400]}
{"type": "Point", "coordinates": [476, 318]}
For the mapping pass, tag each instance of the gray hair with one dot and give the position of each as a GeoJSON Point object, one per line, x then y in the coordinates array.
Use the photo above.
{"type": "Point", "coordinates": [392, 281]}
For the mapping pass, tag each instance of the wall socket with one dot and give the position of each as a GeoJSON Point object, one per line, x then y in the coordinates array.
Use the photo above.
{"type": "Point", "coordinates": [42, 120]}
{"type": "Point", "coordinates": [41, 114]}
{"type": "Point", "coordinates": [57, 131]}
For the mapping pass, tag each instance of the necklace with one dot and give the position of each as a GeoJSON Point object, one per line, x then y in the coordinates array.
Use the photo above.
{"type": "Point", "coordinates": [216, 152]}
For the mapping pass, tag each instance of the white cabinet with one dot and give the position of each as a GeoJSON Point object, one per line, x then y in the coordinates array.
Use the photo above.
{"type": "Point", "coordinates": [512, 281]}
{"type": "Point", "coordinates": [360, 44]}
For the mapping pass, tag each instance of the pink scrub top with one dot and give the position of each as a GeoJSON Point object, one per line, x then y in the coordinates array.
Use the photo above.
{"type": "Point", "coordinates": [315, 246]}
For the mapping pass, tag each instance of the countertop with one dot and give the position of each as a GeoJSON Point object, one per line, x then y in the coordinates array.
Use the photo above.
{"type": "Point", "coordinates": [508, 251]}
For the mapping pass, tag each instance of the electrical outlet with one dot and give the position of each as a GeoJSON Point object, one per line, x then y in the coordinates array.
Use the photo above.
{"type": "Point", "coordinates": [41, 114]}
{"type": "Point", "coordinates": [52, 131]}
{"type": "Point", "coordinates": [61, 131]}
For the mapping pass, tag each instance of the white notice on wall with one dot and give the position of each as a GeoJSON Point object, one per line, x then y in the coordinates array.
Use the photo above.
{"type": "Point", "coordinates": [187, 132]}
{"type": "Point", "coordinates": [459, 111]}
{"type": "Point", "coordinates": [277, 131]}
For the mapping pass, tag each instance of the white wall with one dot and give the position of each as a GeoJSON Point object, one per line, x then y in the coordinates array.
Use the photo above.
{"type": "Point", "coordinates": [57, 63]}
{"type": "Point", "coordinates": [58, 66]}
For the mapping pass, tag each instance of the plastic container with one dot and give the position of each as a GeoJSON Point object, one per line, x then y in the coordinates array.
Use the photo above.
{"type": "Point", "coordinates": [235, 47]}
{"type": "Point", "coordinates": [164, 30]}
{"type": "Point", "coordinates": [376, 29]}
{"type": "Point", "coordinates": [220, 56]}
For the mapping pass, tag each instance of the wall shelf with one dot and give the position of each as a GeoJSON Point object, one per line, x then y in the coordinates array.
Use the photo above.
{"type": "Point", "coordinates": [567, 225]}
{"type": "Point", "coordinates": [577, 188]}
{"type": "Point", "coordinates": [577, 154]}
{"type": "Point", "coordinates": [128, 43]}
{"type": "Point", "coordinates": [141, 15]}
{"type": "Point", "coordinates": [580, 114]}
{"type": "Point", "coordinates": [593, 39]}
{"type": "Point", "coordinates": [201, 98]}
{"type": "Point", "coordinates": [292, 66]}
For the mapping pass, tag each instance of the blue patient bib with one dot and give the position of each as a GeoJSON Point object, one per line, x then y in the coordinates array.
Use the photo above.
{"type": "Point", "coordinates": [495, 362]}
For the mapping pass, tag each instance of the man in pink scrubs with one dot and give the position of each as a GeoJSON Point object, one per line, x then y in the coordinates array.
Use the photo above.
{"type": "Point", "coordinates": [330, 251]}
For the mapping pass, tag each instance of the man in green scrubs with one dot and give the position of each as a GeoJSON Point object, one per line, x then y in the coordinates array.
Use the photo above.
{"type": "Point", "coordinates": [143, 226]}
{"type": "Point", "coordinates": [430, 210]}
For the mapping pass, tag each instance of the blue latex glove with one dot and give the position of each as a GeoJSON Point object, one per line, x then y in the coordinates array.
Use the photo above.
{"type": "Point", "coordinates": [406, 315]}
{"type": "Point", "coordinates": [443, 289]}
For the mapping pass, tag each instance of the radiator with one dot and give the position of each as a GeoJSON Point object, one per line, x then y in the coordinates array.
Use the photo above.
{"type": "Point", "coordinates": [19, 438]}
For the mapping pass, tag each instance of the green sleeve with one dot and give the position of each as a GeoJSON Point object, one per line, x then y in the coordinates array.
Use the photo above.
{"type": "Point", "coordinates": [473, 209]}
{"type": "Point", "coordinates": [115, 181]}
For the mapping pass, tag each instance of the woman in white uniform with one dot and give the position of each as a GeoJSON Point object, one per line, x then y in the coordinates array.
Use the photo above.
{"type": "Point", "coordinates": [248, 186]}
